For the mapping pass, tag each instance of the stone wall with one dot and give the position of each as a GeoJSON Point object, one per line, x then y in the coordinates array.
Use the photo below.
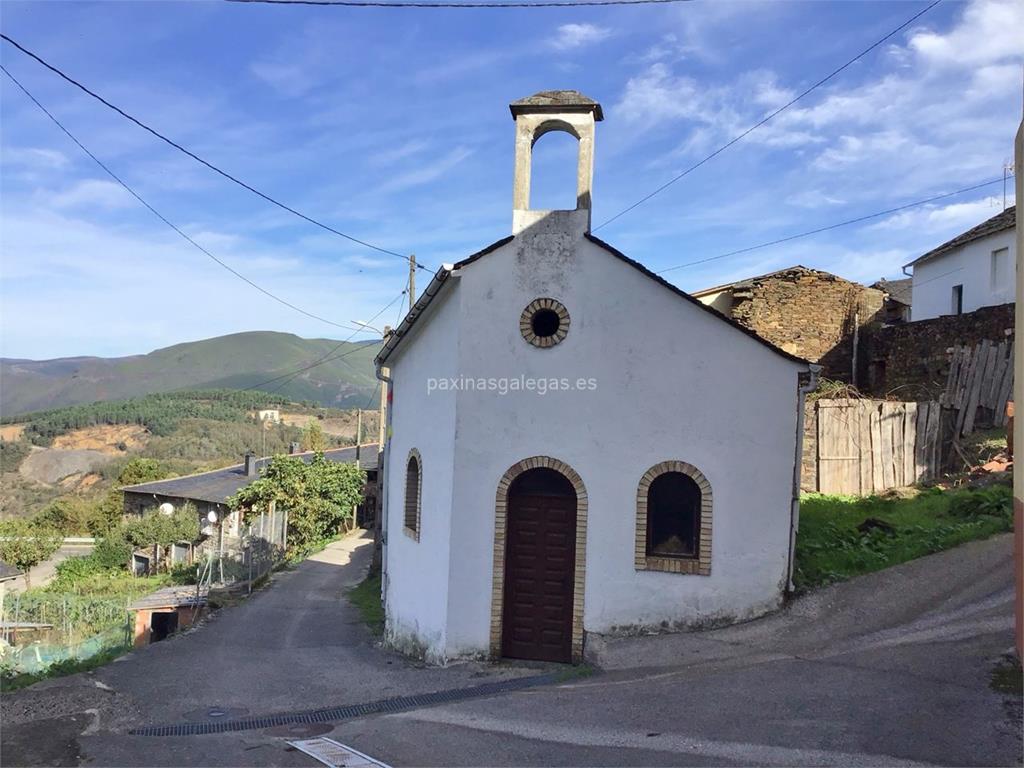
{"type": "Point", "coordinates": [809, 459]}
{"type": "Point", "coordinates": [811, 314]}
{"type": "Point", "coordinates": [911, 361]}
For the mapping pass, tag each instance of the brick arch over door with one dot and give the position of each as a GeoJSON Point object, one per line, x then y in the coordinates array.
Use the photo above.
{"type": "Point", "coordinates": [500, 530]}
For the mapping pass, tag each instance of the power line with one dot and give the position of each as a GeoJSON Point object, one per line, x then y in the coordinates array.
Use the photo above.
{"type": "Point", "coordinates": [758, 124]}
{"type": "Point", "coordinates": [417, 4]}
{"type": "Point", "coordinates": [831, 226]}
{"type": "Point", "coordinates": [159, 215]}
{"type": "Point", "coordinates": [329, 356]}
{"type": "Point", "coordinates": [196, 157]}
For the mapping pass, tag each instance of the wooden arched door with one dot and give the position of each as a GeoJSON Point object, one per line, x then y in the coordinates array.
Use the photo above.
{"type": "Point", "coordinates": [540, 565]}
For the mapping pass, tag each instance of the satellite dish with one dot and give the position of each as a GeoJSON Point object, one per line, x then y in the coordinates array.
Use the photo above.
{"type": "Point", "coordinates": [211, 516]}
{"type": "Point", "coordinates": [167, 508]}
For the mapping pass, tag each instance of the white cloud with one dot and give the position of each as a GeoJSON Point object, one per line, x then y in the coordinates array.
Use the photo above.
{"type": "Point", "coordinates": [578, 35]}
{"type": "Point", "coordinates": [425, 173]}
{"type": "Point", "coordinates": [990, 31]}
{"type": "Point", "coordinates": [944, 219]}
{"type": "Point", "coordinates": [125, 290]}
{"type": "Point", "coordinates": [813, 198]}
{"type": "Point", "coordinates": [395, 154]}
{"type": "Point", "coordinates": [35, 158]}
{"type": "Point", "coordinates": [95, 193]}
{"type": "Point", "coordinates": [289, 79]}
{"type": "Point", "coordinates": [943, 116]}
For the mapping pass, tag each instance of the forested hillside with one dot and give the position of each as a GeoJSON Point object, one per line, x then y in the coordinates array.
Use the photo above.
{"type": "Point", "coordinates": [345, 379]}
{"type": "Point", "coordinates": [161, 414]}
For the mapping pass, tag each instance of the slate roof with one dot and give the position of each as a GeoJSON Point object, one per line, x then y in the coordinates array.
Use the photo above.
{"type": "Point", "coordinates": [898, 290]}
{"type": "Point", "coordinates": [217, 486]}
{"type": "Point", "coordinates": [557, 101]}
{"type": "Point", "coordinates": [8, 571]}
{"type": "Point", "coordinates": [758, 278]}
{"type": "Point", "coordinates": [445, 271]}
{"type": "Point", "coordinates": [998, 223]}
{"type": "Point", "coordinates": [171, 597]}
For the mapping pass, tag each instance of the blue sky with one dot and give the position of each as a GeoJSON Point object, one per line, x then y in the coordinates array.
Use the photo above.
{"type": "Point", "coordinates": [393, 126]}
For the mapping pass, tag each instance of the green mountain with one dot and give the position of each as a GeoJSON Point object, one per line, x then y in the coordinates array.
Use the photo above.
{"type": "Point", "coordinates": [240, 360]}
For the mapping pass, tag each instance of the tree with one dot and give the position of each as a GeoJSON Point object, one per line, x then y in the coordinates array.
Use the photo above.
{"type": "Point", "coordinates": [70, 515]}
{"type": "Point", "coordinates": [141, 471]}
{"type": "Point", "coordinates": [25, 544]}
{"type": "Point", "coordinates": [319, 496]}
{"type": "Point", "coordinates": [313, 437]}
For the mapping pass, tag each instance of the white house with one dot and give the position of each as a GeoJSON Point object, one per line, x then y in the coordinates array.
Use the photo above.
{"type": "Point", "coordinates": [973, 270]}
{"type": "Point", "coordinates": [578, 446]}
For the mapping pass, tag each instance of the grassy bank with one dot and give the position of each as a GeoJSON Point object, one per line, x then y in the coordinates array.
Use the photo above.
{"type": "Point", "coordinates": [366, 599]}
{"type": "Point", "coordinates": [838, 540]}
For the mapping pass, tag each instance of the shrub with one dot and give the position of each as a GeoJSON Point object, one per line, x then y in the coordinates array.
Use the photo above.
{"type": "Point", "coordinates": [112, 552]}
{"type": "Point", "coordinates": [183, 574]}
{"type": "Point", "coordinates": [141, 471]}
{"type": "Point", "coordinates": [24, 544]}
{"type": "Point", "coordinates": [995, 501]}
{"type": "Point", "coordinates": [71, 515]}
{"type": "Point", "coordinates": [11, 454]}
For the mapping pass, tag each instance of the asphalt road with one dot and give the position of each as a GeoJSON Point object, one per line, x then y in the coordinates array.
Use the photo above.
{"type": "Point", "coordinates": [43, 573]}
{"type": "Point", "coordinates": [889, 669]}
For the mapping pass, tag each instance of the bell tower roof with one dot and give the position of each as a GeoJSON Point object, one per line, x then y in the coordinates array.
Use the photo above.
{"type": "Point", "coordinates": [556, 102]}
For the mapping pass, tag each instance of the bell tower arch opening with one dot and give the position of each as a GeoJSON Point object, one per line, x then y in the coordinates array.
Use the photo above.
{"type": "Point", "coordinates": [564, 111]}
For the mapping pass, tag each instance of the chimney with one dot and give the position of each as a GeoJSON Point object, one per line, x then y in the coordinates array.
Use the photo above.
{"type": "Point", "coordinates": [293, 448]}
{"type": "Point", "coordinates": [575, 114]}
{"type": "Point", "coordinates": [250, 464]}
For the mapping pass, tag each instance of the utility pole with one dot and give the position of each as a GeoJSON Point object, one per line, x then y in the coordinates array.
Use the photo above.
{"type": "Point", "coordinates": [382, 434]}
{"type": "Point", "coordinates": [412, 280]}
{"type": "Point", "coordinates": [359, 433]}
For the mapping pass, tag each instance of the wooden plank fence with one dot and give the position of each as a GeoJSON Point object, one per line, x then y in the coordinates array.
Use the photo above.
{"type": "Point", "coordinates": [869, 446]}
{"type": "Point", "coordinates": [979, 384]}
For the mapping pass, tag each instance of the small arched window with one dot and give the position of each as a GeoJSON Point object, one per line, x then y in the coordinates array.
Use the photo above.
{"type": "Point", "coordinates": [673, 520]}
{"type": "Point", "coordinates": [413, 494]}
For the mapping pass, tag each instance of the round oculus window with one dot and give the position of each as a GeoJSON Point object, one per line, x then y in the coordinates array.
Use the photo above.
{"type": "Point", "coordinates": [544, 323]}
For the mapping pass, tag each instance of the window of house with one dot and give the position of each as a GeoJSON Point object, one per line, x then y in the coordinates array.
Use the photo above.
{"type": "Point", "coordinates": [673, 525]}
{"type": "Point", "coordinates": [413, 494]}
{"type": "Point", "coordinates": [544, 322]}
{"type": "Point", "coordinates": [957, 306]}
{"type": "Point", "coordinates": [673, 516]}
{"type": "Point", "coordinates": [1001, 271]}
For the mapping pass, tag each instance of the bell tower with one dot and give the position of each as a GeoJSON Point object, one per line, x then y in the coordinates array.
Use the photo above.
{"type": "Point", "coordinates": [568, 111]}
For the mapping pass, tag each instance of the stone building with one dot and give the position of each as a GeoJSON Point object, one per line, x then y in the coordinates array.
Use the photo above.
{"type": "Point", "coordinates": [810, 313]}
{"type": "Point", "coordinates": [574, 446]}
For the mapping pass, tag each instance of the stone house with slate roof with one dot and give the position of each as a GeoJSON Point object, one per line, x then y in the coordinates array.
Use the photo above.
{"type": "Point", "coordinates": [208, 492]}
{"type": "Point", "coordinates": [815, 314]}
{"type": "Point", "coordinates": [576, 446]}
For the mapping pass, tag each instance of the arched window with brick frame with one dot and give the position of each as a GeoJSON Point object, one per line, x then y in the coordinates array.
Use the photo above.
{"type": "Point", "coordinates": [413, 494]}
{"type": "Point", "coordinates": [673, 520]}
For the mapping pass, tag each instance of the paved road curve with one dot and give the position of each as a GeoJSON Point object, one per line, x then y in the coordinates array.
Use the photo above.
{"type": "Point", "coordinates": [889, 669]}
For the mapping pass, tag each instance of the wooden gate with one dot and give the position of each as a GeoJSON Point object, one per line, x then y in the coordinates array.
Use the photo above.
{"type": "Point", "coordinates": [869, 446]}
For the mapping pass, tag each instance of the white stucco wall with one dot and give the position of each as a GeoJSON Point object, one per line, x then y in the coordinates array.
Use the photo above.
{"type": "Point", "coordinates": [970, 266]}
{"type": "Point", "coordinates": [673, 382]}
{"type": "Point", "coordinates": [417, 571]}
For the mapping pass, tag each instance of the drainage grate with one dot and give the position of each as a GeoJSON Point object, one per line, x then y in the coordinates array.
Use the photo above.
{"type": "Point", "coordinates": [335, 714]}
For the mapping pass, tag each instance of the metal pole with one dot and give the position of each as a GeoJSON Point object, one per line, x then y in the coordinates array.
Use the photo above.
{"type": "Point", "coordinates": [359, 433]}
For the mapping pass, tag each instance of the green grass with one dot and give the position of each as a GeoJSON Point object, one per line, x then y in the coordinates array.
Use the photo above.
{"type": "Point", "coordinates": [111, 585]}
{"type": "Point", "coordinates": [1006, 677]}
{"type": "Point", "coordinates": [829, 547]}
{"type": "Point", "coordinates": [366, 599]}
